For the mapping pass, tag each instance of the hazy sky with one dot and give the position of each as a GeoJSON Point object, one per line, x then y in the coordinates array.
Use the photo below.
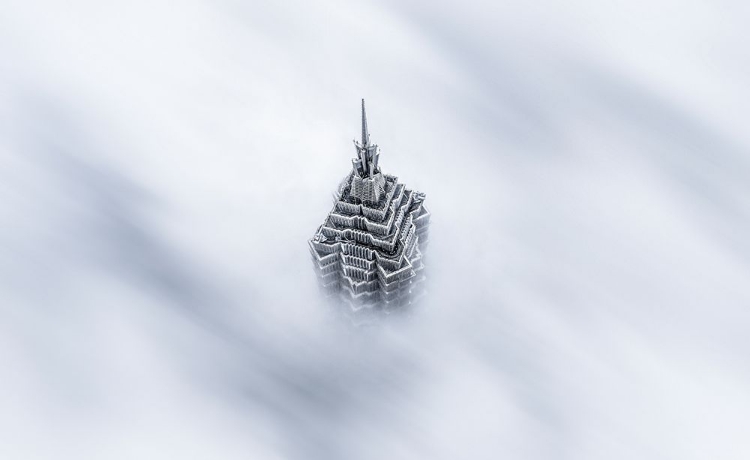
{"type": "Point", "coordinates": [587, 166]}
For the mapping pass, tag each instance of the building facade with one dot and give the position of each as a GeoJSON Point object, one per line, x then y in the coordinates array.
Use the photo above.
{"type": "Point", "coordinates": [368, 251]}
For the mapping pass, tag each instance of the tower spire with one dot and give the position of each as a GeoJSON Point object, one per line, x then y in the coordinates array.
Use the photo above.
{"type": "Point", "coordinates": [366, 163]}
{"type": "Point", "coordinates": [365, 134]}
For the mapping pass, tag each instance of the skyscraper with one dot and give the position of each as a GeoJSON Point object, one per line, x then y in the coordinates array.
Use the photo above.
{"type": "Point", "coordinates": [368, 252]}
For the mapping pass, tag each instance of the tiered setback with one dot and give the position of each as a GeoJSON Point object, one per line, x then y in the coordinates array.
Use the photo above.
{"type": "Point", "coordinates": [370, 254]}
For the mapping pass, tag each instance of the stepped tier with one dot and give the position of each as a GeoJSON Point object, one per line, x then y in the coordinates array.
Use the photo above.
{"type": "Point", "coordinates": [371, 253]}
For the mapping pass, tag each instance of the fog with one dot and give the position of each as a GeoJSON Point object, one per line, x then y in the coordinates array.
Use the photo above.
{"type": "Point", "coordinates": [587, 168]}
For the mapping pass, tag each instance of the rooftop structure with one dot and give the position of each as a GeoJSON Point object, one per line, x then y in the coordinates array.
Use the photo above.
{"type": "Point", "coordinates": [368, 252]}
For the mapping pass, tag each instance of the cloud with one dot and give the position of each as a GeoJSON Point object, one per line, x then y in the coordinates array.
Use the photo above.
{"type": "Point", "coordinates": [163, 167]}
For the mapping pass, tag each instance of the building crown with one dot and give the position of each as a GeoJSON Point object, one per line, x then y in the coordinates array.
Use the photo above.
{"type": "Point", "coordinates": [366, 163]}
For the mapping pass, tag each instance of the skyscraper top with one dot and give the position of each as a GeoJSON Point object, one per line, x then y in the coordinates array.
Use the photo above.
{"type": "Point", "coordinates": [368, 252]}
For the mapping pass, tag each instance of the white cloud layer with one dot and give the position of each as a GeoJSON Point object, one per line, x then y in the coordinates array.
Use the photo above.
{"type": "Point", "coordinates": [586, 163]}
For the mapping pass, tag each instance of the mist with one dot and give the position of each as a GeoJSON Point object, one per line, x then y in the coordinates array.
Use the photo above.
{"type": "Point", "coordinates": [163, 165]}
